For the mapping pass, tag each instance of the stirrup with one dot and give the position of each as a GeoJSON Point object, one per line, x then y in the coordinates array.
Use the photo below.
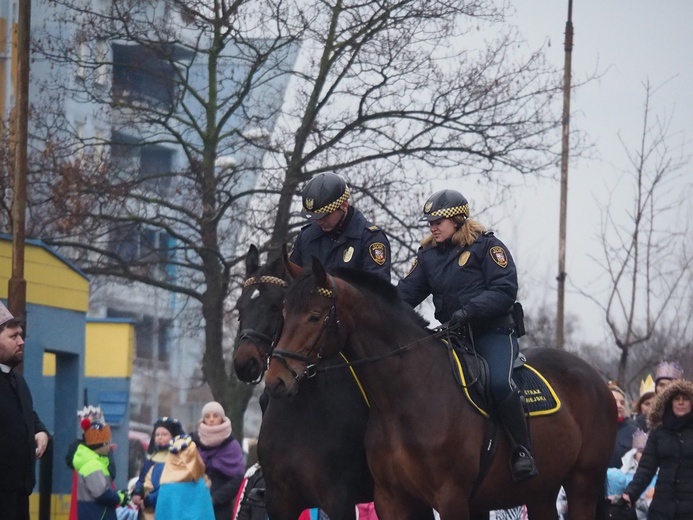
{"type": "Point", "coordinates": [522, 465]}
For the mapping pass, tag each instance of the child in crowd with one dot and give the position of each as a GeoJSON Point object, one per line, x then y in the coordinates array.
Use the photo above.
{"type": "Point", "coordinates": [96, 496]}
{"type": "Point", "coordinates": [146, 491]}
{"type": "Point", "coordinates": [618, 478]}
{"type": "Point", "coordinates": [183, 494]}
{"type": "Point", "coordinates": [223, 458]}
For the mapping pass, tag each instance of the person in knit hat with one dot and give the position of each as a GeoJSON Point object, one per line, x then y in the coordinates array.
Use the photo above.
{"type": "Point", "coordinates": [146, 490]}
{"type": "Point", "coordinates": [223, 457]}
{"type": "Point", "coordinates": [668, 454]}
{"type": "Point", "coordinates": [665, 373]}
{"type": "Point", "coordinates": [96, 497]}
{"type": "Point", "coordinates": [618, 478]}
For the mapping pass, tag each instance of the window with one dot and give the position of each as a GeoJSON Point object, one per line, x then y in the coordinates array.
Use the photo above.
{"type": "Point", "coordinates": [155, 167]}
{"type": "Point", "coordinates": [146, 335]}
{"type": "Point", "coordinates": [139, 74]}
{"type": "Point", "coordinates": [146, 250]}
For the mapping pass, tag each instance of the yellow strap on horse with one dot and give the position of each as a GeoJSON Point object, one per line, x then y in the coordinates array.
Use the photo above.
{"type": "Point", "coordinates": [358, 383]}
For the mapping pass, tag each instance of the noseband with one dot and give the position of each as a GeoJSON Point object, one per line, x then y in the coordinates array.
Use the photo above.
{"type": "Point", "coordinates": [256, 337]}
{"type": "Point", "coordinates": [329, 321]}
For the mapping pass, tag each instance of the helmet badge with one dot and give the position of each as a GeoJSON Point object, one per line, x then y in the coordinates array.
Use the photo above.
{"type": "Point", "coordinates": [310, 203]}
{"type": "Point", "coordinates": [427, 207]}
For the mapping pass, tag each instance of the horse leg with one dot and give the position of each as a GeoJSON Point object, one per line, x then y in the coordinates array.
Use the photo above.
{"type": "Point", "coordinates": [282, 507]}
{"type": "Point", "coordinates": [584, 490]}
{"type": "Point", "coordinates": [543, 510]}
{"type": "Point", "coordinates": [398, 506]}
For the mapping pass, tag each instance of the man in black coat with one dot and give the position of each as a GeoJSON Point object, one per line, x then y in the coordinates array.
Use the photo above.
{"type": "Point", "coordinates": [23, 437]}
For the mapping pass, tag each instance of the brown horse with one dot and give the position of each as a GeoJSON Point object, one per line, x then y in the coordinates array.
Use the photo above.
{"type": "Point", "coordinates": [424, 439]}
{"type": "Point", "coordinates": [310, 447]}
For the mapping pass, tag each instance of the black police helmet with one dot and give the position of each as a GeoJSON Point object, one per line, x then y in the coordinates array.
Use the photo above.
{"type": "Point", "coordinates": [323, 194]}
{"type": "Point", "coordinates": [445, 204]}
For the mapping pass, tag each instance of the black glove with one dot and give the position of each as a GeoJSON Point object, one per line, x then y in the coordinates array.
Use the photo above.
{"type": "Point", "coordinates": [459, 319]}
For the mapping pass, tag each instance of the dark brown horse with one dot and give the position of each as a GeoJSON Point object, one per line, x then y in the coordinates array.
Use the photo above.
{"type": "Point", "coordinates": [424, 439]}
{"type": "Point", "coordinates": [311, 446]}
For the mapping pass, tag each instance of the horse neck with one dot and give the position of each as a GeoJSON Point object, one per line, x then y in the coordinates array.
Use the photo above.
{"type": "Point", "coordinates": [388, 377]}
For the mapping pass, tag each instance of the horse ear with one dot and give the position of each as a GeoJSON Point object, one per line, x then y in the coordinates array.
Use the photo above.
{"type": "Point", "coordinates": [292, 270]}
{"type": "Point", "coordinates": [252, 260]}
{"type": "Point", "coordinates": [319, 272]}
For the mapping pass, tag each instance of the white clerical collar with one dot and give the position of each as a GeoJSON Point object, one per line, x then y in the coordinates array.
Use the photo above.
{"type": "Point", "coordinates": [5, 368]}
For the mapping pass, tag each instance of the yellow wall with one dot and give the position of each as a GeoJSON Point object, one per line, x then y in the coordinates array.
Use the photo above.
{"type": "Point", "coordinates": [50, 280]}
{"type": "Point", "coordinates": [109, 349]}
{"type": "Point", "coordinates": [60, 507]}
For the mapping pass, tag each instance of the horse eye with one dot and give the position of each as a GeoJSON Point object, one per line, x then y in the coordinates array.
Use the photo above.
{"type": "Point", "coordinates": [313, 318]}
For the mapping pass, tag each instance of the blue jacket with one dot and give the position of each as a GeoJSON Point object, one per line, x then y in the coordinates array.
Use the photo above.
{"type": "Point", "coordinates": [481, 278]}
{"type": "Point", "coordinates": [359, 245]}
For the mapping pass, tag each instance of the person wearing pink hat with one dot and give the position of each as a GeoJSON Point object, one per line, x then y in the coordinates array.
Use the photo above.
{"type": "Point", "coordinates": [223, 458]}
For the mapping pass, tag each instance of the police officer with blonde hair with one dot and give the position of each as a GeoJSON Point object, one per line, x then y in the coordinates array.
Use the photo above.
{"type": "Point", "coordinates": [338, 234]}
{"type": "Point", "coordinates": [473, 280]}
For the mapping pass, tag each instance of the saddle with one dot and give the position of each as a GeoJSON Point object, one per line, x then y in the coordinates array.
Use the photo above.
{"type": "Point", "coordinates": [471, 372]}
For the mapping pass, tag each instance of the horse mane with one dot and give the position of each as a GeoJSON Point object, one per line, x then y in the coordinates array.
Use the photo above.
{"type": "Point", "coordinates": [374, 285]}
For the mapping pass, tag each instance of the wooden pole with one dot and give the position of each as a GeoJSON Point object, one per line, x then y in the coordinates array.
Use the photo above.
{"type": "Point", "coordinates": [565, 149]}
{"type": "Point", "coordinates": [17, 284]}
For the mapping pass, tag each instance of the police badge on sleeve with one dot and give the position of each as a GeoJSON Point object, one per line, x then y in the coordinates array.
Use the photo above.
{"type": "Point", "coordinates": [499, 256]}
{"type": "Point", "coordinates": [378, 252]}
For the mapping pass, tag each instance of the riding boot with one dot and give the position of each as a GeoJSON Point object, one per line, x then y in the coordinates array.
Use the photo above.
{"type": "Point", "coordinates": [512, 415]}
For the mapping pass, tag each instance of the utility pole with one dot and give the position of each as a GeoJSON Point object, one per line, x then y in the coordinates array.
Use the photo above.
{"type": "Point", "coordinates": [16, 289]}
{"type": "Point", "coordinates": [565, 148]}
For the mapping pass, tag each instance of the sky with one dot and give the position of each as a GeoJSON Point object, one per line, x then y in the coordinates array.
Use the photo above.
{"type": "Point", "coordinates": [627, 43]}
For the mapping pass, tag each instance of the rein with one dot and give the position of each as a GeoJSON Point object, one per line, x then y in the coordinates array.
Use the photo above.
{"type": "Point", "coordinates": [257, 337]}
{"type": "Point", "coordinates": [312, 369]}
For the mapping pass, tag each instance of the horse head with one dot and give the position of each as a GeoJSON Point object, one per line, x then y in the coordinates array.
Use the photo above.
{"type": "Point", "coordinates": [311, 330]}
{"type": "Point", "coordinates": [259, 314]}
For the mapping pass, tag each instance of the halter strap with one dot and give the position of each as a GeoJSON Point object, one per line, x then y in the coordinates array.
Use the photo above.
{"type": "Point", "coordinates": [254, 335]}
{"type": "Point", "coordinates": [254, 280]}
{"type": "Point", "coordinates": [330, 318]}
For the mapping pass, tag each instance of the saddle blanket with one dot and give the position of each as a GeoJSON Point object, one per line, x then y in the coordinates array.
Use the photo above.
{"type": "Point", "coordinates": [471, 372]}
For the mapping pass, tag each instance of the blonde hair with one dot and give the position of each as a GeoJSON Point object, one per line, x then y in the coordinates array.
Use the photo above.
{"type": "Point", "coordinates": [468, 230]}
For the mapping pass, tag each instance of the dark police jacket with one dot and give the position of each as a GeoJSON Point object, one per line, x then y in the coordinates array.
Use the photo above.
{"type": "Point", "coordinates": [359, 245]}
{"type": "Point", "coordinates": [480, 277]}
{"type": "Point", "coordinates": [18, 425]}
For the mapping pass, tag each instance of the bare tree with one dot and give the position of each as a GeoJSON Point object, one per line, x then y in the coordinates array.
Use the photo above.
{"type": "Point", "coordinates": [646, 261]}
{"type": "Point", "coordinates": [391, 94]}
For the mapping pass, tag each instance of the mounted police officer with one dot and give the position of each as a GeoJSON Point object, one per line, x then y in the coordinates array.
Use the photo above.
{"type": "Point", "coordinates": [339, 235]}
{"type": "Point", "coordinates": [473, 280]}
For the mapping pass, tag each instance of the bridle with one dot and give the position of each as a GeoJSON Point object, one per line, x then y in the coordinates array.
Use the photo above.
{"type": "Point", "coordinates": [257, 337]}
{"type": "Point", "coordinates": [331, 320]}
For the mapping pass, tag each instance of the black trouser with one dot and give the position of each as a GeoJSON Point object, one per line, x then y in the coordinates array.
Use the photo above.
{"type": "Point", "coordinates": [14, 505]}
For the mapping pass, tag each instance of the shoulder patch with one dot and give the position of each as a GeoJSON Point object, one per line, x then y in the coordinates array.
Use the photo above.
{"type": "Point", "coordinates": [373, 228]}
{"type": "Point", "coordinates": [499, 256]}
{"type": "Point", "coordinates": [378, 252]}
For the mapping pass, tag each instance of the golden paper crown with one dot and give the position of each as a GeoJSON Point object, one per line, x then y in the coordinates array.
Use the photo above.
{"type": "Point", "coordinates": [647, 385]}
